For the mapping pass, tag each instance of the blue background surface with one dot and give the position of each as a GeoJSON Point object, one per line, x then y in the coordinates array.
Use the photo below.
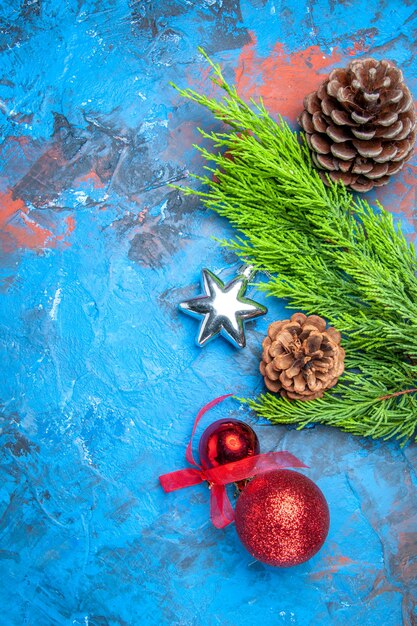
{"type": "Point", "coordinates": [100, 377]}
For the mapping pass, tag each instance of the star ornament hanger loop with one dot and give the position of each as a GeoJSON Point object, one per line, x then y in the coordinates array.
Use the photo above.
{"type": "Point", "coordinates": [223, 308]}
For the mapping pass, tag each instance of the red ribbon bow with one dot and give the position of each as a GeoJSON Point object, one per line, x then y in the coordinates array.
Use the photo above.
{"type": "Point", "coordinates": [221, 511]}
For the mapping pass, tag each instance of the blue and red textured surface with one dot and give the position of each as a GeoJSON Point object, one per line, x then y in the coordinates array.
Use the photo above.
{"type": "Point", "coordinates": [100, 376]}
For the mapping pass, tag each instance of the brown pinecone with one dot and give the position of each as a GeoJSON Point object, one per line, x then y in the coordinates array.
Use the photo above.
{"type": "Point", "coordinates": [361, 123]}
{"type": "Point", "coordinates": [301, 359]}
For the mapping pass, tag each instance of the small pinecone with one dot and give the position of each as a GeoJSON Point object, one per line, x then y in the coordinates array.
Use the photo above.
{"type": "Point", "coordinates": [361, 123]}
{"type": "Point", "coordinates": [301, 359]}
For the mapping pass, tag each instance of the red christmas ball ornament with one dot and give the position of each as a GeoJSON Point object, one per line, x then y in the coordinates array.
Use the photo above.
{"type": "Point", "coordinates": [226, 441]}
{"type": "Point", "coordinates": [282, 518]}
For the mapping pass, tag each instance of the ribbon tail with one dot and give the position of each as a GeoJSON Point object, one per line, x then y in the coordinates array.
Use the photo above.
{"type": "Point", "coordinates": [180, 479]}
{"type": "Point", "coordinates": [221, 511]}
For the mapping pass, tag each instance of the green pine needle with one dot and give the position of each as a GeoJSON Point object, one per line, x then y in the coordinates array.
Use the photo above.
{"type": "Point", "coordinates": [328, 254]}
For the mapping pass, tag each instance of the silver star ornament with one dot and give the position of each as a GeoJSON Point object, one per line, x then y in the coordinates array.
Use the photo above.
{"type": "Point", "coordinates": [224, 309]}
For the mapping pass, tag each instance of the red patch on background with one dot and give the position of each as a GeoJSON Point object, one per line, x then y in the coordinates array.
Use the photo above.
{"type": "Point", "coordinates": [282, 79]}
{"type": "Point", "coordinates": [18, 229]}
{"type": "Point", "coordinates": [91, 178]}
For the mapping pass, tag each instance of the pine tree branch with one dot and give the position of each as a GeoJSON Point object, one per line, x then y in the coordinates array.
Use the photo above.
{"type": "Point", "coordinates": [327, 253]}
